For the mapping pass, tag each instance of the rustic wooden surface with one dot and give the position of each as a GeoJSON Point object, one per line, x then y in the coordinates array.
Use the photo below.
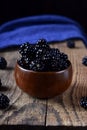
{"type": "Point", "coordinates": [63, 110]}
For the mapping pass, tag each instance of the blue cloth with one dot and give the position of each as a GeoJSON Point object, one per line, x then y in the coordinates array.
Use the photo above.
{"type": "Point", "coordinates": [30, 29]}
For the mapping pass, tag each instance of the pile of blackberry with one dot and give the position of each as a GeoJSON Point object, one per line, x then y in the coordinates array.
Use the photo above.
{"type": "Point", "coordinates": [40, 57]}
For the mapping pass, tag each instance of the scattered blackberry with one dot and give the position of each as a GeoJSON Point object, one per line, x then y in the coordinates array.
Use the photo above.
{"type": "Point", "coordinates": [4, 101]}
{"type": "Point", "coordinates": [37, 65]}
{"type": "Point", "coordinates": [71, 44]}
{"type": "Point", "coordinates": [3, 63]}
{"type": "Point", "coordinates": [84, 61]}
{"type": "Point", "coordinates": [83, 102]}
{"type": "Point", "coordinates": [0, 83]}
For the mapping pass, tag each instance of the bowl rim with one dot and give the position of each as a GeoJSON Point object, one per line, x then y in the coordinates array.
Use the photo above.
{"type": "Point", "coordinates": [44, 72]}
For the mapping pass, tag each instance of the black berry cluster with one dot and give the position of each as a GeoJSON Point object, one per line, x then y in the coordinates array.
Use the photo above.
{"type": "Point", "coordinates": [70, 44]}
{"type": "Point", "coordinates": [40, 57]}
{"type": "Point", "coordinates": [3, 63]}
{"type": "Point", "coordinates": [84, 60]}
{"type": "Point", "coordinates": [4, 101]}
{"type": "Point", "coordinates": [83, 102]}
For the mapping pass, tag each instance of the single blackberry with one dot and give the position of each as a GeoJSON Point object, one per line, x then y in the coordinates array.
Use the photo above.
{"type": "Point", "coordinates": [66, 64]}
{"type": "Point", "coordinates": [24, 62]}
{"type": "Point", "coordinates": [20, 62]}
{"type": "Point", "coordinates": [42, 44]}
{"type": "Point", "coordinates": [27, 50]}
{"type": "Point", "coordinates": [63, 56]}
{"type": "Point", "coordinates": [63, 64]}
{"type": "Point", "coordinates": [71, 44]}
{"type": "Point", "coordinates": [84, 61]}
{"type": "Point", "coordinates": [55, 53]}
{"type": "Point", "coordinates": [22, 47]}
{"type": "Point", "coordinates": [40, 53]}
{"type": "Point", "coordinates": [83, 102]}
{"type": "Point", "coordinates": [54, 65]}
{"type": "Point", "coordinates": [37, 65]}
{"type": "Point", "coordinates": [4, 101]}
{"type": "Point", "coordinates": [46, 57]}
{"type": "Point", "coordinates": [42, 41]}
{"type": "Point", "coordinates": [3, 63]}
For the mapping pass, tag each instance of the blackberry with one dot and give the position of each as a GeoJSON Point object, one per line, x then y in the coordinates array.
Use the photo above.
{"type": "Point", "coordinates": [4, 101]}
{"type": "Point", "coordinates": [27, 51]}
{"type": "Point", "coordinates": [30, 52]}
{"type": "Point", "coordinates": [24, 62]}
{"type": "Point", "coordinates": [21, 62]}
{"type": "Point", "coordinates": [37, 65]}
{"type": "Point", "coordinates": [63, 64]}
{"type": "Point", "coordinates": [3, 63]}
{"type": "Point", "coordinates": [66, 64]}
{"type": "Point", "coordinates": [55, 54]}
{"type": "Point", "coordinates": [22, 47]}
{"type": "Point", "coordinates": [54, 65]}
{"type": "Point", "coordinates": [46, 57]}
{"type": "Point", "coordinates": [42, 41]}
{"type": "Point", "coordinates": [83, 102]}
{"type": "Point", "coordinates": [63, 56]}
{"type": "Point", "coordinates": [71, 44]}
{"type": "Point", "coordinates": [42, 44]}
{"type": "Point", "coordinates": [40, 53]}
{"type": "Point", "coordinates": [84, 61]}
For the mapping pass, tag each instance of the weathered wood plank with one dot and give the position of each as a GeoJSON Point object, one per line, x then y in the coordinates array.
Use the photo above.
{"type": "Point", "coordinates": [61, 110]}
{"type": "Point", "coordinates": [23, 108]}
{"type": "Point", "coordinates": [65, 109]}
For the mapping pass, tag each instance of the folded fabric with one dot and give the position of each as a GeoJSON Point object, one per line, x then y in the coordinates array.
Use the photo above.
{"type": "Point", "coordinates": [29, 29]}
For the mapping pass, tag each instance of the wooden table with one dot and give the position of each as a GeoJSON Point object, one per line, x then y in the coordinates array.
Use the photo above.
{"type": "Point", "coordinates": [63, 110]}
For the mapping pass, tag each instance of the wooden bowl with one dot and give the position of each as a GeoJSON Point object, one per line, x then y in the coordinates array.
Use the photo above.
{"type": "Point", "coordinates": [43, 84]}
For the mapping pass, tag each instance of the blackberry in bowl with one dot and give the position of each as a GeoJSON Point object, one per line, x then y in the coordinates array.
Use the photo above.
{"type": "Point", "coordinates": [43, 72]}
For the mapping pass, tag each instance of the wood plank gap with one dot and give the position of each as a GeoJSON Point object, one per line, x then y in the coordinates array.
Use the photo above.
{"type": "Point", "coordinates": [46, 112]}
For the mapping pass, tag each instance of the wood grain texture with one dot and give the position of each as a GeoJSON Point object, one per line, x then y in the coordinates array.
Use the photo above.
{"type": "Point", "coordinates": [65, 109]}
{"type": "Point", "coordinates": [23, 108]}
{"type": "Point", "coordinates": [62, 110]}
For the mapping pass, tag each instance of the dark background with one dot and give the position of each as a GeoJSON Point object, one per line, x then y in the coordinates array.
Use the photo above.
{"type": "Point", "coordinates": [75, 9]}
